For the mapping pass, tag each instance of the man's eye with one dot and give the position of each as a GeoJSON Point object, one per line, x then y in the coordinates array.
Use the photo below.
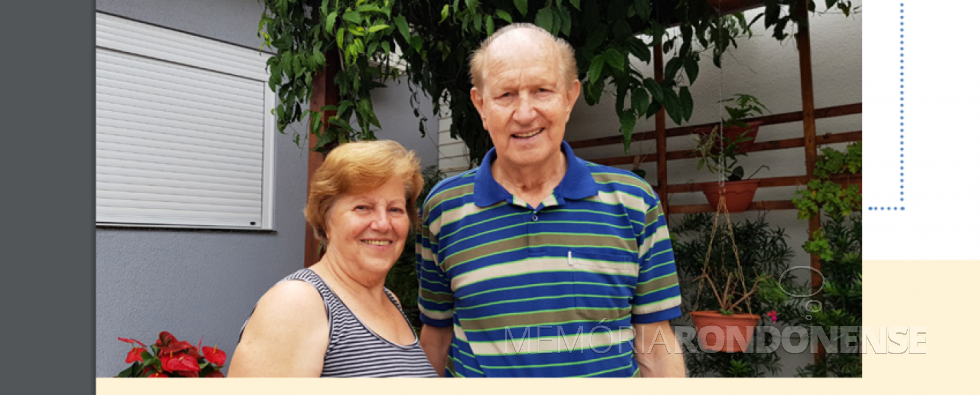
{"type": "Point", "coordinates": [505, 94]}
{"type": "Point", "coordinates": [361, 207]}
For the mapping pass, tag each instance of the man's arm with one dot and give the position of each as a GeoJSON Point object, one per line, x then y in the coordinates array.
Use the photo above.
{"type": "Point", "coordinates": [435, 342]}
{"type": "Point", "coordinates": [657, 350]}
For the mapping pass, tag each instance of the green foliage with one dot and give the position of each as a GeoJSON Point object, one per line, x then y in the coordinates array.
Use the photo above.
{"type": "Point", "coordinates": [838, 244]}
{"type": "Point", "coordinates": [402, 280]}
{"type": "Point", "coordinates": [842, 294]}
{"type": "Point", "coordinates": [436, 38]}
{"type": "Point", "coordinates": [826, 195]}
{"type": "Point", "coordinates": [357, 34]}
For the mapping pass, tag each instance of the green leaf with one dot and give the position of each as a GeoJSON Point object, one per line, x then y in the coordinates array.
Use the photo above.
{"type": "Point", "coordinates": [643, 9]}
{"type": "Point", "coordinates": [595, 69]}
{"type": "Point", "coordinates": [328, 24]}
{"type": "Point", "coordinates": [627, 121]}
{"type": "Point", "coordinates": [369, 8]}
{"type": "Point", "coordinates": [640, 100]}
{"type": "Point", "coordinates": [673, 106]}
{"type": "Point", "coordinates": [376, 28]}
{"type": "Point", "coordinates": [691, 67]}
{"type": "Point", "coordinates": [490, 26]}
{"type": "Point", "coordinates": [402, 25]}
{"type": "Point", "coordinates": [639, 49]}
{"type": "Point", "coordinates": [615, 58]}
{"type": "Point", "coordinates": [687, 103]}
{"type": "Point", "coordinates": [544, 19]}
{"type": "Point", "coordinates": [655, 90]}
{"type": "Point", "coordinates": [353, 17]}
{"type": "Point", "coordinates": [673, 65]}
{"type": "Point", "coordinates": [566, 21]}
{"type": "Point", "coordinates": [521, 6]}
{"type": "Point", "coordinates": [621, 30]}
{"type": "Point", "coordinates": [445, 13]}
{"type": "Point", "coordinates": [129, 372]}
{"type": "Point", "coordinates": [596, 37]}
{"type": "Point", "coordinates": [577, 4]}
{"type": "Point", "coordinates": [617, 11]}
{"type": "Point", "coordinates": [505, 16]}
{"type": "Point", "coordinates": [417, 43]}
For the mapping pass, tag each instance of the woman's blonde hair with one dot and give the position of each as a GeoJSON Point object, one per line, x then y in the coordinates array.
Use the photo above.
{"type": "Point", "coordinates": [359, 167]}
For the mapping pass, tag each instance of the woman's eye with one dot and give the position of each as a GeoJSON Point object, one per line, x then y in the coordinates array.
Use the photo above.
{"type": "Point", "coordinates": [361, 207]}
{"type": "Point", "coordinates": [397, 210]}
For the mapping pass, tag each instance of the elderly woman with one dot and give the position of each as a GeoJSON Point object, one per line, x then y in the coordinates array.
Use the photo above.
{"type": "Point", "coordinates": [335, 318]}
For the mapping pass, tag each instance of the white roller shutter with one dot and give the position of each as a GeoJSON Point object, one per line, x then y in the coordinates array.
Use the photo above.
{"type": "Point", "coordinates": [183, 129]}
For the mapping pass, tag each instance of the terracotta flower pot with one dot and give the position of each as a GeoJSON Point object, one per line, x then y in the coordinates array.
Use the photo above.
{"type": "Point", "coordinates": [738, 194]}
{"type": "Point", "coordinates": [729, 327]}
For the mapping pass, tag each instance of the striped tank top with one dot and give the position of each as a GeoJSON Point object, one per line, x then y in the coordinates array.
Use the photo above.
{"type": "Point", "coordinates": [354, 349]}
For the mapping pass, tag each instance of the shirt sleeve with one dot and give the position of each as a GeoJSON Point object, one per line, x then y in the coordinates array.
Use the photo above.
{"type": "Point", "coordinates": [435, 293]}
{"type": "Point", "coordinates": [658, 294]}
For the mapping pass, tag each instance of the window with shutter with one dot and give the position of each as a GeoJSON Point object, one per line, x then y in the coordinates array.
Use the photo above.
{"type": "Point", "coordinates": [184, 133]}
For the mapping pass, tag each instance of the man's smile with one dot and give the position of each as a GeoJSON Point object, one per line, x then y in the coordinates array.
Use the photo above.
{"type": "Point", "coordinates": [527, 135]}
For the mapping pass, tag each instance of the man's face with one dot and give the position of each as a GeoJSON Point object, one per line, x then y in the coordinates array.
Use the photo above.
{"type": "Point", "coordinates": [524, 101]}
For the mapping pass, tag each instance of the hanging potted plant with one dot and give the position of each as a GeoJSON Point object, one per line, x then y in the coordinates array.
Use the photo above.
{"type": "Point", "coordinates": [718, 149]}
{"type": "Point", "coordinates": [737, 191]}
{"type": "Point", "coordinates": [719, 330]}
{"type": "Point", "coordinates": [734, 129]}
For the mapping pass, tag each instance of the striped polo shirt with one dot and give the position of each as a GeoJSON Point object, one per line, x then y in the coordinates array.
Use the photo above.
{"type": "Point", "coordinates": [547, 291]}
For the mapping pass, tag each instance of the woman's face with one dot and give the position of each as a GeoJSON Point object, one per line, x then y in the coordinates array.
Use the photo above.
{"type": "Point", "coordinates": [368, 230]}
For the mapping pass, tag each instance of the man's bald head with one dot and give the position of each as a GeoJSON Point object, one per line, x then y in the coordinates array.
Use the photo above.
{"type": "Point", "coordinates": [524, 33]}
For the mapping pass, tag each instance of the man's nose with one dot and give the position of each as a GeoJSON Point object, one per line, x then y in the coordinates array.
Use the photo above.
{"type": "Point", "coordinates": [525, 112]}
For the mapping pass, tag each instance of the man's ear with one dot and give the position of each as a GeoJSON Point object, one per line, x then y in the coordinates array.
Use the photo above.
{"type": "Point", "coordinates": [572, 94]}
{"type": "Point", "coordinates": [477, 98]}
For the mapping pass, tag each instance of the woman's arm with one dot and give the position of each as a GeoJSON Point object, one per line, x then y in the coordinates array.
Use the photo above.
{"type": "Point", "coordinates": [286, 336]}
{"type": "Point", "coordinates": [435, 342]}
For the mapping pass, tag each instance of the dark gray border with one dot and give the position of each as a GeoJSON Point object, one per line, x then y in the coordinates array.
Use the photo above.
{"type": "Point", "coordinates": [48, 233]}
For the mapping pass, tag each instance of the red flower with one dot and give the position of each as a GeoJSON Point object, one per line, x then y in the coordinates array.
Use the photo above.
{"type": "Point", "coordinates": [179, 363]}
{"type": "Point", "coordinates": [134, 342]}
{"type": "Point", "coordinates": [169, 344]}
{"type": "Point", "coordinates": [216, 373]}
{"type": "Point", "coordinates": [136, 354]}
{"type": "Point", "coordinates": [214, 355]}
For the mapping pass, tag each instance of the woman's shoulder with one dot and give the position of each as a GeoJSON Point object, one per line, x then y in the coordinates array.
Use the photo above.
{"type": "Point", "coordinates": [291, 300]}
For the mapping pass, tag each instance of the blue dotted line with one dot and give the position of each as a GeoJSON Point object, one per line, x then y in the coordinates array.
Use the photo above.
{"type": "Point", "coordinates": [895, 208]}
{"type": "Point", "coordinates": [901, 136]}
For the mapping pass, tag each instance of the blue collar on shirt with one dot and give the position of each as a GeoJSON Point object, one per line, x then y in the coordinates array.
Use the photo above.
{"type": "Point", "coordinates": [577, 183]}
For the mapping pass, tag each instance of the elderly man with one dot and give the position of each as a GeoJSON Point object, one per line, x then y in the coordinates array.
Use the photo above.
{"type": "Point", "coordinates": [538, 263]}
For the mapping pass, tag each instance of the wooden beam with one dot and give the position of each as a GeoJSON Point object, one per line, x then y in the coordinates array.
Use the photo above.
{"type": "Point", "coordinates": [706, 208]}
{"type": "Point", "coordinates": [325, 93]}
{"type": "Point", "coordinates": [809, 131]}
{"type": "Point", "coordinates": [658, 71]}
{"type": "Point", "coordinates": [763, 146]}
{"type": "Point", "coordinates": [775, 119]}
{"type": "Point", "coordinates": [766, 183]}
